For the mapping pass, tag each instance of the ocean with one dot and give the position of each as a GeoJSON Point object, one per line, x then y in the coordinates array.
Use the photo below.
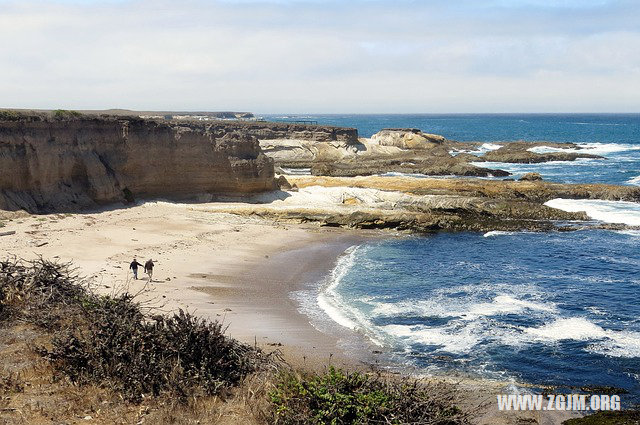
{"type": "Point", "coordinates": [547, 309]}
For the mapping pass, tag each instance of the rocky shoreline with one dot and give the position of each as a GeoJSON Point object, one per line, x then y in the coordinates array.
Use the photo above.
{"type": "Point", "coordinates": [70, 162]}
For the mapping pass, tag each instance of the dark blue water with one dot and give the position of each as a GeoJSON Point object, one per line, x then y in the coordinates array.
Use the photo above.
{"type": "Point", "coordinates": [549, 309]}
{"type": "Point", "coordinates": [606, 128]}
{"type": "Point", "coordinates": [613, 136]}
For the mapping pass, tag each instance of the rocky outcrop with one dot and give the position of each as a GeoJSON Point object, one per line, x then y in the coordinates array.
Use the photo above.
{"type": "Point", "coordinates": [390, 150]}
{"type": "Point", "coordinates": [520, 153]}
{"type": "Point", "coordinates": [530, 177]}
{"type": "Point", "coordinates": [74, 162]}
{"type": "Point", "coordinates": [532, 191]}
{"type": "Point", "coordinates": [427, 205]}
{"type": "Point", "coordinates": [403, 138]}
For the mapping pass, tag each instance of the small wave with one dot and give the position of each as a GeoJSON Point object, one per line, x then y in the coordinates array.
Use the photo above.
{"type": "Point", "coordinates": [334, 305]}
{"type": "Point", "coordinates": [635, 181]}
{"type": "Point", "coordinates": [449, 340]}
{"type": "Point", "coordinates": [329, 300]}
{"type": "Point", "coordinates": [619, 344]}
{"type": "Point", "coordinates": [498, 233]}
{"type": "Point", "coordinates": [490, 146]}
{"type": "Point", "coordinates": [575, 328]}
{"type": "Point", "coordinates": [549, 149]}
{"type": "Point", "coordinates": [619, 212]}
{"type": "Point", "coordinates": [447, 307]}
{"type": "Point", "coordinates": [612, 343]}
{"type": "Point", "coordinates": [605, 148]}
{"type": "Point", "coordinates": [607, 124]}
{"type": "Point", "coordinates": [633, 233]}
{"type": "Point", "coordinates": [481, 150]}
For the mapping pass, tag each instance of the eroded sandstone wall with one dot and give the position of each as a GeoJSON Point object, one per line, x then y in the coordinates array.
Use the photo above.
{"type": "Point", "coordinates": [55, 165]}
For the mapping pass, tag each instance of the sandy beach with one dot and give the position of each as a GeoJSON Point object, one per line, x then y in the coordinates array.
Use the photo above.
{"type": "Point", "coordinates": [235, 269]}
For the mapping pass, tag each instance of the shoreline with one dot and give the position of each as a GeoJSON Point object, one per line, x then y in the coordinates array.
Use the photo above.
{"type": "Point", "coordinates": [220, 266]}
{"type": "Point", "coordinates": [263, 309]}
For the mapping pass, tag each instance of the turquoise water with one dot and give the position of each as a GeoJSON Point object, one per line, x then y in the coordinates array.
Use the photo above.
{"type": "Point", "coordinates": [560, 309]}
{"type": "Point", "coordinates": [613, 136]}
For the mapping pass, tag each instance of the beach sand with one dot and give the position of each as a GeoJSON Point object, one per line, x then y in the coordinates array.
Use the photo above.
{"type": "Point", "coordinates": [235, 269]}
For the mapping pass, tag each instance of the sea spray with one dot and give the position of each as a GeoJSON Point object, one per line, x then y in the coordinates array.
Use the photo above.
{"type": "Point", "coordinates": [620, 212]}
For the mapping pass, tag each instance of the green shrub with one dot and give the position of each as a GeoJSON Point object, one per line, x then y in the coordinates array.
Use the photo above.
{"type": "Point", "coordinates": [338, 397]}
{"type": "Point", "coordinates": [109, 341]}
{"type": "Point", "coordinates": [61, 114]}
{"type": "Point", "coordinates": [7, 115]}
{"type": "Point", "coordinates": [631, 417]}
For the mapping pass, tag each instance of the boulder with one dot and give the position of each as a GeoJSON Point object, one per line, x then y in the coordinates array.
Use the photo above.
{"type": "Point", "coordinates": [531, 177]}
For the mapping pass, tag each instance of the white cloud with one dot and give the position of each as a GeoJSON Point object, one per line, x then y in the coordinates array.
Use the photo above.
{"type": "Point", "coordinates": [312, 56]}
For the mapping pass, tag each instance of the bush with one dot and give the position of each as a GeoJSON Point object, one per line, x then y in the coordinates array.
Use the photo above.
{"type": "Point", "coordinates": [109, 341]}
{"type": "Point", "coordinates": [630, 417]}
{"type": "Point", "coordinates": [179, 355]}
{"type": "Point", "coordinates": [61, 114]}
{"type": "Point", "coordinates": [338, 397]}
{"type": "Point", "coordinates": [8, 115]}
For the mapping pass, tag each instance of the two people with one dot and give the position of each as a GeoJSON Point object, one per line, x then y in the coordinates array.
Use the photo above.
{"type": "Point", "coordinates": [148, 268]}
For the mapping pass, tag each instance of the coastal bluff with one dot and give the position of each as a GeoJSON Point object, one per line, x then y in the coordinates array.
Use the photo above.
{"type": "Point", "coordinates": [66, 163]}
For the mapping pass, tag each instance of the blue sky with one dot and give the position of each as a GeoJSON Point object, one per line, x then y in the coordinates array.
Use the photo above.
{"type": "Point", "coordinates": [322, 56]}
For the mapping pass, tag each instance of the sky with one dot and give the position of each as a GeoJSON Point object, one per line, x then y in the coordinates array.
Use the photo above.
{"type": "Point", "coordinates": [304, 56]}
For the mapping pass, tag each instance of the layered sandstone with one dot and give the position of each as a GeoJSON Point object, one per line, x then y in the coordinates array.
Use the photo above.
{"type": "Point", "coordinates": [49, 164]}
{"type": "Point", "coordinates": [390, 150]}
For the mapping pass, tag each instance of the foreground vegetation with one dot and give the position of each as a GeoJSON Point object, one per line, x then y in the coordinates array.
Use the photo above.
{"type": "Point", "coordinates": [182, 366]}
{"type": "Point", "coordinates": [608, 418]}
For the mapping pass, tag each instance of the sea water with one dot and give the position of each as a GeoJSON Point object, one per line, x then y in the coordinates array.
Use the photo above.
{"type": "Point", "coordinates": [558, 309]}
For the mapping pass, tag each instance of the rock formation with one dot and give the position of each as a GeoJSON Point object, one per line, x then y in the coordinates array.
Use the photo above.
{"type": "Point", "coordinates": [327, 151]}
{"type": "Point", "coordinates": [427, 205]}
{"type": "Point", "coordinates": [73, 162]}
{"type": "Point", "coordinates": [520, 153]}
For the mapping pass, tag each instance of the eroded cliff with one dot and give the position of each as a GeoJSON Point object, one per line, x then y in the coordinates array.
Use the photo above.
{"type": "Point", "coordinates": [54, 164]}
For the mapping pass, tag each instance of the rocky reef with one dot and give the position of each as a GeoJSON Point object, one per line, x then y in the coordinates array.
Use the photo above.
{"type": "Point", "coordinates": [427, 205]}
{"type": "Point", "coordinates": [390, 150]}
{"type": "Point", "coordinates": [521, 153]}
{"type": "Point", "coordinates": [328, 152]}
{"type": "Point", "coordinates": [71, 161]}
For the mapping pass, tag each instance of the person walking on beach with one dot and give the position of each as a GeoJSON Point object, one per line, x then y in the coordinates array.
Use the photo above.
{"type": "Point", "coordinates": [148, 269]}
{"type": "Point", "coordinates": [134, 267]}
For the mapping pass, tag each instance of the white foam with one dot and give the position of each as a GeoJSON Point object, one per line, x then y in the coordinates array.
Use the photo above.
{"type": "Point", "coordinates": [619, 344]}
{"type": "Point", "coordinates": [549, 149]}
{"type": "Point", "coordinates": [635, 181]}
{"type": "Point", "coordinates": [334, 305]}
{"type": "Point", "coordinates": [609, 342]}
{"type": "Point", "coordinates": [633, 233]}
{"type": "Point", "coordinates": [490, 147]}
{"type": "Point", "coordinates": [439, 306]}
{"type": "Point", "coordinates": [329, 300]}
{"type": "Point", "coordinates": [620, 212]}
{"type": "Point", "coordinates": [497, 233]}
{"type": "Point", "coordinates": [605, 148]}
{"type": "Point", "coordinates": [575, 328]}
{"type": "Point", "coordinates": [481, 150]}
{"type": "Point", "coordinates": [456, 341]}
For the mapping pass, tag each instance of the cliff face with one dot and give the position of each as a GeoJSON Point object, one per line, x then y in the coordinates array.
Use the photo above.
{"type": "Point", "coordinates": [49, 165]}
